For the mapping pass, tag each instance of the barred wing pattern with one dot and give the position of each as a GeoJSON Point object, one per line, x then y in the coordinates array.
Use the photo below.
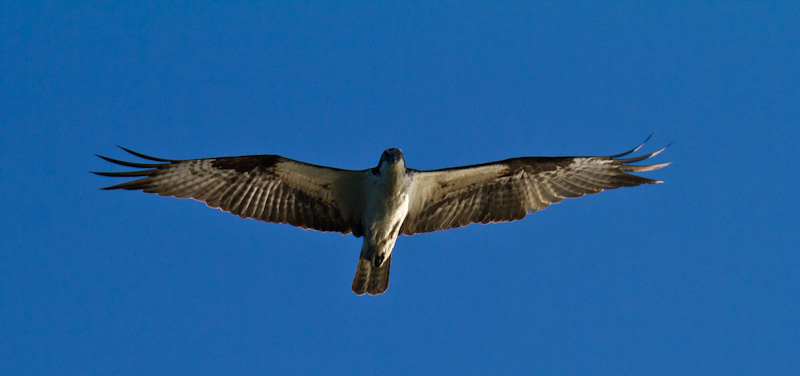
{"type": "Point", "coordinates": [511, 189]}
{"type": "Point", "coordinates": [267, 188]}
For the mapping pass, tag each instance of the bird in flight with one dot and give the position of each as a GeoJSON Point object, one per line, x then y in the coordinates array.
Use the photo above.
{"type": "Point", "coordinates": [383, 202]}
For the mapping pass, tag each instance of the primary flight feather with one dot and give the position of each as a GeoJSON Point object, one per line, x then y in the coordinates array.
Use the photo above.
{"type": "Point", "coordinates": [383, 202]}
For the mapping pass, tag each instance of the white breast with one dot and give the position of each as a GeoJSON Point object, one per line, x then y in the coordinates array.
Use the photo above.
{"type": "Point", "coordinates": [387, 205]}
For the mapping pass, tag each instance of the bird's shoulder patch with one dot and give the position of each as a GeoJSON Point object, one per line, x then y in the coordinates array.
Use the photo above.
{"type": "Point", "coordinates": [535, 165]}
{"type": "Point", "coordinates": [247, 163]}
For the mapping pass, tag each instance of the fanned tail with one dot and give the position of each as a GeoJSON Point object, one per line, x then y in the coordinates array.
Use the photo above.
{"type": "Point", "coordinates": [371, 279]}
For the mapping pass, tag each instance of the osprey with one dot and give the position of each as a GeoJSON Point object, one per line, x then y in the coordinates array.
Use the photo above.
{"type": "Point", "coordinates": [383, 202]}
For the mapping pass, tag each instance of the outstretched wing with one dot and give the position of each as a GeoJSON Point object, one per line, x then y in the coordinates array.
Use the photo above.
{"type": "Point", "coordinates": [268, 188]}
{"type": "Point", "coordinates": [509, 190]}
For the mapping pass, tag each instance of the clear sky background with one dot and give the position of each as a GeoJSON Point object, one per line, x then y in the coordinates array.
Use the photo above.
{"type": "Point", "coordinates": [697, 276]}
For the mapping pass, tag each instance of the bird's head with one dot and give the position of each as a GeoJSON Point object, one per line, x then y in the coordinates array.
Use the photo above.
{"type": "Point", "coordinates": [391, 157]}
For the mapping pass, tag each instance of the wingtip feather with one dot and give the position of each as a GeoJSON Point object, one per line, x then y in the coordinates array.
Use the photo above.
{"type": "Point", "coordinates": [643, 168]}
{"type": "Point", "coordinates": [144, 156]}
{"type": "Point", "coordinates": [125, 174]}
{"type": "Point", "coordinates": [641, 157]}
{"type": "Point", "coordinates": [129, 164]}
{"type": "Point", "coordinates": [634, 149]}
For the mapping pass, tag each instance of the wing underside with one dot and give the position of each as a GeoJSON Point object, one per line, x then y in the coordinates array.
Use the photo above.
{"type": "Point", "coordinates": [509, 190]}
{"type": "Point", "coordinates": [268, 188]}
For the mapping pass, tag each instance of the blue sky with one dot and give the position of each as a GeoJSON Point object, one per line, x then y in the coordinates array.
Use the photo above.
{"type": "Point", "coordinates": [696, 276]}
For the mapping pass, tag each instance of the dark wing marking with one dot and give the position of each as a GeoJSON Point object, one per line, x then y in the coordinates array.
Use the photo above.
{"type": "Point", "coordinates": [268, 188]}
{"type": "Point", "coordinates": [509, 190]}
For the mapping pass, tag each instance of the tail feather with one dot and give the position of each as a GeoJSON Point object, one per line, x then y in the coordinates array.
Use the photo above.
{"type": "Point", "coordinates": [361, 280]}
{"type": "Point", "coordinates": [380, 278]}
{"type": "Point", "coordinates": [371, 279]}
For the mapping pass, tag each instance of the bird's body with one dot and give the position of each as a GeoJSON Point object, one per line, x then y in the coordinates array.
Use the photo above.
{"type": "Point", "coordinates": [387, 197]}
{"type": "Point", "coordinates": [384, 202]}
